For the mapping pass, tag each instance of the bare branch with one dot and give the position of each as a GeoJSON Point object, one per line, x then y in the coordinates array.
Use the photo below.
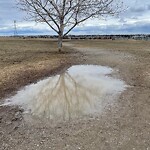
{"type": "Point", "coordinates": [65, 15]}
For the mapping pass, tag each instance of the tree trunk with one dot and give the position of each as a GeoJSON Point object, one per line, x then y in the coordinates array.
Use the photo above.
{"type": "Point", "coordinates": [60, 35]}
{"type": "Point", "coordinates": [60, 43]}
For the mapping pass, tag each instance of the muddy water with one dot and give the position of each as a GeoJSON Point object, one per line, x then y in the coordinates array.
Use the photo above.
{"type": "Point", "coordinates": [80, 91]}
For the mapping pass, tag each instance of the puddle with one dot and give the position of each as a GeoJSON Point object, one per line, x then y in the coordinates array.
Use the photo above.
{"type": "Point", "coordinates": [80, 91]}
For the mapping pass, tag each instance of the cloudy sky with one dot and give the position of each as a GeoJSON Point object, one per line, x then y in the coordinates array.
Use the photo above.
{"type": "Point", "coordinates": [135, 20]}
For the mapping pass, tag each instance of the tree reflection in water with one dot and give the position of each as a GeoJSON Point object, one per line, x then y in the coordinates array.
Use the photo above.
{"type": "Point", "coordinates": [69, 95]}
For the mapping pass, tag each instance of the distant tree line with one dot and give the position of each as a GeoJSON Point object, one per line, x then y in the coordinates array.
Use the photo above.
{"type": "Point", "coordinates": [110, 37]}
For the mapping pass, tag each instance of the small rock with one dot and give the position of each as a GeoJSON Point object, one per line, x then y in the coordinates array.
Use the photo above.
{"type": "Point", "coordinates": [8, 122]}
{"type": "Point", "coordinates": [16, 127]}
{"type": "Point", "coordinates": [17, 116]}
{"type": "Point", "coordinates": [0, 119]}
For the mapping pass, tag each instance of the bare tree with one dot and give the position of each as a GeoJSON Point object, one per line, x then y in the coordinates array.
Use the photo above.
{"type": "Point", "coordinates": [64, 15]}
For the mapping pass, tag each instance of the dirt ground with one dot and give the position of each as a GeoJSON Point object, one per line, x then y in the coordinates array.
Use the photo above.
{"type": "Point", "coordinates": [123, 126]}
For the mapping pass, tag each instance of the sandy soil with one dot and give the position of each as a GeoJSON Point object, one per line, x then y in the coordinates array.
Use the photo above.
{"type": "Point", "coordinates": [123, 126]}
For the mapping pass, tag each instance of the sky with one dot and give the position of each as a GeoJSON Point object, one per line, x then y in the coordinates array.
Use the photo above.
{"type": "Point", "coordinates": [134, 20]}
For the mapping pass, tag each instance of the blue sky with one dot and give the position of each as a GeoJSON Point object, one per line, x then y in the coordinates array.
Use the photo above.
{"type": "Point", "coordinates": [135, 20]}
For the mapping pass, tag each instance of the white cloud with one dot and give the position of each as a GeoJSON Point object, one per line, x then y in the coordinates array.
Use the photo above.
{"type": "Point", "coordinates": [138, 11]}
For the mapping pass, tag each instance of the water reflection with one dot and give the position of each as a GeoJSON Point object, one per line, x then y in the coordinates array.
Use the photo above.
{"type": "Point", "coordinates": [80, 91]}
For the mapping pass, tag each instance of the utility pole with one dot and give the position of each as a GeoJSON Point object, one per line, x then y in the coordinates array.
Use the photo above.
{"type": "Point", "coordinates": [15, 28]}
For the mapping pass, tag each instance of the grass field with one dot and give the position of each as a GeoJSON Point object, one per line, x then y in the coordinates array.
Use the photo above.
{"type": "Point", "coordinates": [23, 61]}
{"type": "Point", "coordinates": [121, 45]}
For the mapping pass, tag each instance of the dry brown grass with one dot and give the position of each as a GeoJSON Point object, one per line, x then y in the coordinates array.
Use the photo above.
{"type": "Point", "coordinates": [114, 44]}
{"type": "Point", "coordinates": [25, 60]}
{"type": "Point", "coordinates": [24, 51]}
{"type": "Point", "coordinates": [137, 47]}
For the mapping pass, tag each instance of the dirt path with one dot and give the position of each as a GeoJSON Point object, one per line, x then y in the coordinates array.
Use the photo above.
{"type": "Point", "coordinates": [124, 126]}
